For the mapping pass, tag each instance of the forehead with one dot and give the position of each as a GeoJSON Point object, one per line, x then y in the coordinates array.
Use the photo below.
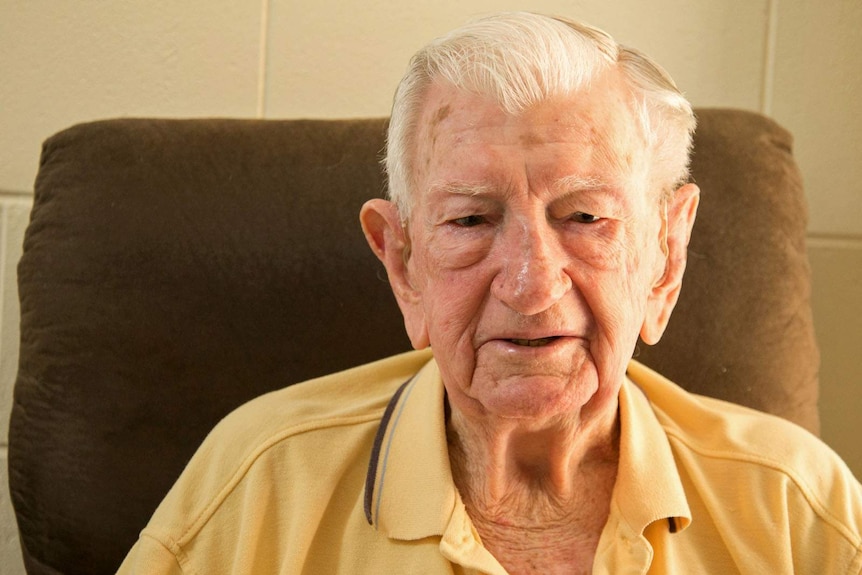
{"type": "Point", "coordinates": [587, 132]}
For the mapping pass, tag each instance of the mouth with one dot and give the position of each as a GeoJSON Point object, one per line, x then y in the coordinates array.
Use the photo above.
{"type": "Point", "coordinates": [534, 342]}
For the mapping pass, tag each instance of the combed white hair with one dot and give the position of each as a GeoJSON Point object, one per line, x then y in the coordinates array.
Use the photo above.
{"type": "Point", "coordinates": [519, 59]}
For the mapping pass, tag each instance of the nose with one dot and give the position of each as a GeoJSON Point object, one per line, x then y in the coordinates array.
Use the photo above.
{"type": "Point", "coordinates": [532, 275]}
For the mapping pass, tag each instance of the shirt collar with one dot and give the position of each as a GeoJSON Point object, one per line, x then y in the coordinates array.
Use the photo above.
{"type": "Point", "coordinates": [410, 493]}
{"type": "Point", "coordinates": [648, 486]}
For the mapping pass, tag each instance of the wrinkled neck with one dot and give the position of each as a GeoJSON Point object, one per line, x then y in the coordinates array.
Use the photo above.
{"type": "Point", "coordinates": [509, 467]}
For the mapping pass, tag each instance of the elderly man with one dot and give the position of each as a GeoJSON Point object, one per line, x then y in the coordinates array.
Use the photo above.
{"type": "Point", "coordinates": [538, 225]}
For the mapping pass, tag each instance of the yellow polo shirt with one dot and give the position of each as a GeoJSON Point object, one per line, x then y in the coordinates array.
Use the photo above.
{"type": "Point", "coordinates": [350, 474]}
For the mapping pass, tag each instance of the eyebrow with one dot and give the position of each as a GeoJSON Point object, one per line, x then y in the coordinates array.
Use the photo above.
{"type": "Point", "coordinates": [574, 183]}
{"type": "Point", "coordinates": [460, 188]}
{"type": "Point", "coordinates": [565, 186]}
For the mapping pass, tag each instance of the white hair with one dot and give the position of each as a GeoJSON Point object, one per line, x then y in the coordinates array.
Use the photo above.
{"type": "Point", "coordinates": [520, 59]}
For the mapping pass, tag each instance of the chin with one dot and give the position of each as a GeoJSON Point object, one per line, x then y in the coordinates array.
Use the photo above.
{"type": "Point", "coordinates": [535, 398]}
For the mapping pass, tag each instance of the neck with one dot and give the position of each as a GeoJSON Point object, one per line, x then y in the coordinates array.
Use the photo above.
{"type": "Point", "coordinates": [494, 460]}
{"type": "Point", "coordinates": [536, 492]}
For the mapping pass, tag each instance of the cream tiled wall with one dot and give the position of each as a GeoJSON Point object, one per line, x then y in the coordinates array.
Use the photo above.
{"type": "Point", "coordinates": [66, 62]}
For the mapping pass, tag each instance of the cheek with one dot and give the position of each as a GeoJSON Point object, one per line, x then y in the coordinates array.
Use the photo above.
{"type": "Point", "coordinates": [599, 248]}
{"type": "Point", "coordinates": [616, 280]}
{"type": "Point", "coordinates": [451, 298]}
{"type": "Point", "coordinates": [451, 249]}
{"type": "Point", "coordinates": [451, 311]}
{"type": "Point", "coordinates": [454, 282]}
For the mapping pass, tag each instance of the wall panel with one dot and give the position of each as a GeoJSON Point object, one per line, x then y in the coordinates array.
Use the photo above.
{"type": "Point", "coordinates": [837, 302]}
{"type": "Point", "coordinates": [328, 61]}
{"type": "Point", "coordinates": [10, 547]}
{"type": "Point", "coordinates": [14, 216]}
{"type": "Point", "coordinates": [818, 82]}
{"type": "Point", "coordinates": [67, 62]}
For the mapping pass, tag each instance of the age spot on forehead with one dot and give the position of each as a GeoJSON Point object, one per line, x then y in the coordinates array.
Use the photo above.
{"type": "Point", "coordinates": [529, 140]}
{"type": "Point", "coordinates": [439, 116]}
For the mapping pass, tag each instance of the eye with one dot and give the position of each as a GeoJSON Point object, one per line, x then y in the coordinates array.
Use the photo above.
{"type": "Point", "coordinates": [469, 221]}
{"type": "Point", "coordinates": [584, 218]}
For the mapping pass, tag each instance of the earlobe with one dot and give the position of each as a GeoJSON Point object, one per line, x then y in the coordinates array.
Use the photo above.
{"type": "Point", "coordinates": [389, 241]}
{"type": "Point", "coordinates": [679, 219]}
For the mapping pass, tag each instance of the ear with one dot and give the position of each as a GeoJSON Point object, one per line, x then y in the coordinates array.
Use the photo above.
{"type": "Point", "coordinates": [390, 242]}
{"type": "Point", "coordinates": [678, 220]}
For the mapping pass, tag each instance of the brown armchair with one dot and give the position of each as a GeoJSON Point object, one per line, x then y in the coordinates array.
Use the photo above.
{"type": "Point", "coordinates": [174, 269]}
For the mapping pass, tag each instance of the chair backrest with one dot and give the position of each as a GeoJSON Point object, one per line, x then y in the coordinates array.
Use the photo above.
{"type": "Point", "coordinates": [174, 269]}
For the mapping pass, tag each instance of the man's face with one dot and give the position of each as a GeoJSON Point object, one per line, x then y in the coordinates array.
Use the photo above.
{"type": "Point", "coordinates": [534, 249]}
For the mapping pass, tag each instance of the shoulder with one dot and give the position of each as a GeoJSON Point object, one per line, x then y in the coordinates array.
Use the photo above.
{"type": "Point", "coordinates": [728, 449]}
{"type": "Point", "coordinates": [353, 395]}
{"type": "Point", "coordinates": [311, 428]}
{"type": "Point", "coordinates": [722, 429]}
{"type": "Point", "coordinates": [344, 399]}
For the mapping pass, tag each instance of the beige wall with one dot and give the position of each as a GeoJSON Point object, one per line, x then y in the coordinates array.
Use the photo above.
{"type": "Point", "coordinates": [67, 62]}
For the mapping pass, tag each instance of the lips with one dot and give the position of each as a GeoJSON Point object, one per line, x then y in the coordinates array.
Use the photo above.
{"type": "Point", "coordinates": [534, 342]}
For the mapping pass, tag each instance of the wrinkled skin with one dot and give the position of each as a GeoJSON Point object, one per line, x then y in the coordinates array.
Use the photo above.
{"type": "Point", "coordinates": [534, 256]}
{"type": "Point", "coordinates": [503, 247]}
